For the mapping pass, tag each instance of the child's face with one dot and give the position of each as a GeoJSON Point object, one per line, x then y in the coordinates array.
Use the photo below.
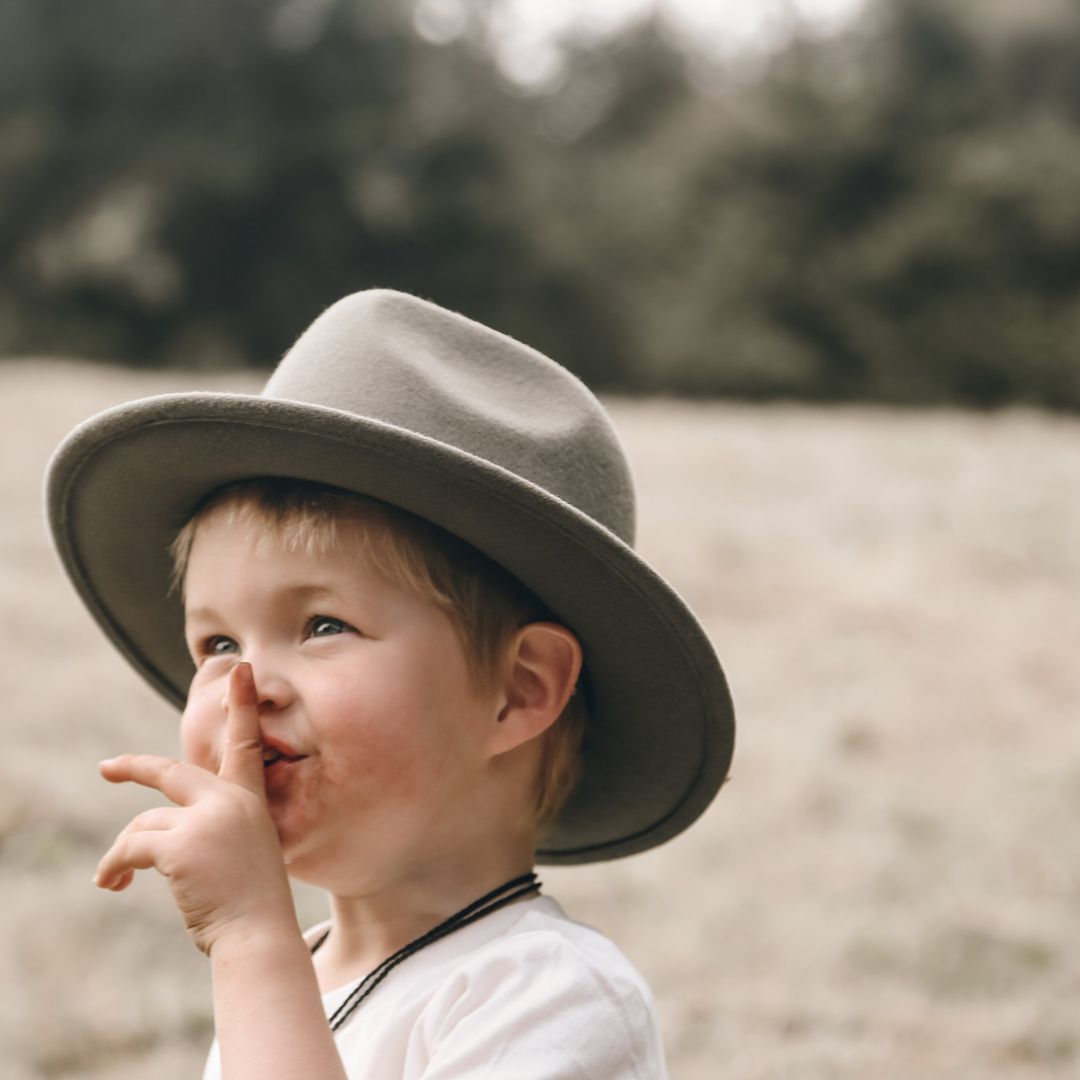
{"type": "Point", "coordinates": [364, 691]}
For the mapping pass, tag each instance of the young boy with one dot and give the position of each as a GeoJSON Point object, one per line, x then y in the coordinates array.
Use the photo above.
{"type": "Point", "coordinates": [420, 655]}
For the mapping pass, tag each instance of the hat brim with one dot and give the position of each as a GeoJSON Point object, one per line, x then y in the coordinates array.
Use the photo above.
{"type": "Point", "coordinates": [661, 728]}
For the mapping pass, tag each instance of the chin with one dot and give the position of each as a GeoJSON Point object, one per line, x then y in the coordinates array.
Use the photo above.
{"type": "Point", "coordinates": [297, 861]}
{"type": "Point", "coordinates": [290, 836]}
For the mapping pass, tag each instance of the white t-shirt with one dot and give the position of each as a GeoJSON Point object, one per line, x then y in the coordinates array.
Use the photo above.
{"type": "Point", "coordinates": [523, 994]}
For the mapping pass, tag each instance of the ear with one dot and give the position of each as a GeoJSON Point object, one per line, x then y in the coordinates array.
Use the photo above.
{"type": "Point", "coordinates": [543, 665]}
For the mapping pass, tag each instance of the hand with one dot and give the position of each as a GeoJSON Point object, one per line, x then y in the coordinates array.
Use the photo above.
{"type": "Point", "coordinates": [217, 846]}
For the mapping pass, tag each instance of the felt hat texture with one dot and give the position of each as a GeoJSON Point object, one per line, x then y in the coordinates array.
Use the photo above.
{"type": "Point", "coordinates": [396, 398]}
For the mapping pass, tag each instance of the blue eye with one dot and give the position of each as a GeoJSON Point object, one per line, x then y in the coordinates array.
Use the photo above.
{"type": "Point", "coordinates": [218, 645]}
{"type": "Point", "coordinates": [325, 626]}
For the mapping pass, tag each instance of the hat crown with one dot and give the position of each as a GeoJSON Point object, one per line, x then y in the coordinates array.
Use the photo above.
{"type": "Point", "coordinates": [402, 361]}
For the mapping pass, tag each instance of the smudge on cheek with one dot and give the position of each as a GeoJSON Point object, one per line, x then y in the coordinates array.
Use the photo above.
{"type": "Point", "coordinates": [296, 803]}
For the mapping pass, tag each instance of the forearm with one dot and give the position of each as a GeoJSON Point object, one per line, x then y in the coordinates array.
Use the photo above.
{"type": "Point", "coordinates": [268, 1012]}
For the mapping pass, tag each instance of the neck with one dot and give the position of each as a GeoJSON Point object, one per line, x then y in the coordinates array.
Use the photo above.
{"type": "Point", "coordinates": [370, 925]}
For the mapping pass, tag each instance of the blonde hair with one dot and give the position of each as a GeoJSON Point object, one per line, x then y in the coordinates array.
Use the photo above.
{"type": "Point", "coordinates": [484, 602]}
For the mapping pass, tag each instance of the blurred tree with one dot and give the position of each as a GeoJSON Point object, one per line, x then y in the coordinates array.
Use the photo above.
{"type": "Point", "coordinates": [884, 214]}
{"type": "Point", "coordinates": [192, 183]}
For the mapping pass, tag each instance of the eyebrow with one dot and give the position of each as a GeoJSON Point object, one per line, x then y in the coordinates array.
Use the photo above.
{"type": "Point", "coordinates": [299, 592]}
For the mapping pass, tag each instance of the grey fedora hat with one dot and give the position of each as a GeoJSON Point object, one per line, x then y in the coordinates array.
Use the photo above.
{"type": "Point", "coordinates": [399, 399]}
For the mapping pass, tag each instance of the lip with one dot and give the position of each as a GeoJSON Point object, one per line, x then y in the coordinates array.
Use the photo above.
{"type": "Point", "coordinates": [287, 752]}
{"type": "Point", "coordinates": [276, 773]}
{"type": "Point", "coordinates": [279, 779]}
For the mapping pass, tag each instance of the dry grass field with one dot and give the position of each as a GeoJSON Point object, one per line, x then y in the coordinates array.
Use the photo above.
{"type": "Point", "coordinates": [887, 887]}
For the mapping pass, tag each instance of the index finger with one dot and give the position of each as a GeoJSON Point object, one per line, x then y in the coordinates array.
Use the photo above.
{"type": "Point", "coordinates": [241, 759]}
{"type": "Point", "coordinates": [179, 781]}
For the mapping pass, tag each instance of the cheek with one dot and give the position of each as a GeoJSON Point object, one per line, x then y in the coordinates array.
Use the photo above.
{"type": "Point", "coordinates": [375, 759]}
{"type": "Point", "coordinates": [199, 730]}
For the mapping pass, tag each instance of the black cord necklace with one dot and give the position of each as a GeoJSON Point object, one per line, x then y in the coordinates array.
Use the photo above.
{"type": "Point", "coordinates": [492, 901]}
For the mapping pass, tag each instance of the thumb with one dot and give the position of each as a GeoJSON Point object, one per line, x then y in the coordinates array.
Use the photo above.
{"type": "Point", "coordinates": [241, 761]}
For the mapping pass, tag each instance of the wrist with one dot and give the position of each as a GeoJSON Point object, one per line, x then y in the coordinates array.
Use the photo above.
{"type": "Point", "coordinates": [255, 937]}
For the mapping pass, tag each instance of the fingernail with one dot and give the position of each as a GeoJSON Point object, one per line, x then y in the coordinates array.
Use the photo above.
{"type": "Point", "coordinates": [107, 761]}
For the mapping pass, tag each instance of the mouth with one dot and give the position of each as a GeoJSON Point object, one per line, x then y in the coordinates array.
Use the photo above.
{"type": "Point", "coordinates": [276, 754]}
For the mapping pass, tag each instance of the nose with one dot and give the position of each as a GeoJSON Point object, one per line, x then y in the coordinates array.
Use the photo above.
{"type": "Point", "coordinates": [273, 693]}
{"type": "Point", "coordinates": [273, 688]}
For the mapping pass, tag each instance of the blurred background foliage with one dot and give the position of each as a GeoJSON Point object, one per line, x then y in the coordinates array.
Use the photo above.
{"type": "Point", "coordinates": [889, 212]}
